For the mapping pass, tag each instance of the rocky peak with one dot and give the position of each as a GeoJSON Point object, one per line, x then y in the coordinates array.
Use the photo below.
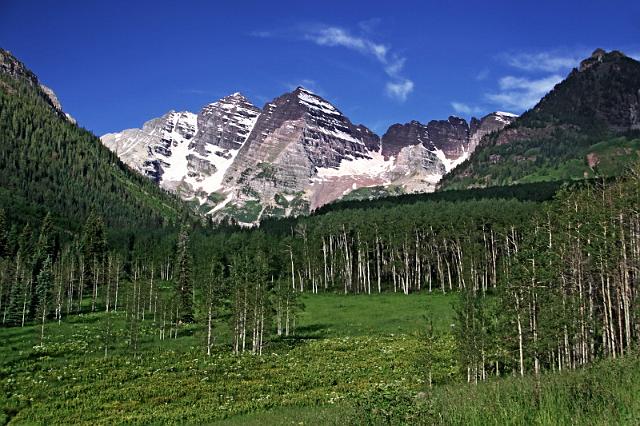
{"type": "Point", "coordinates": [327, 135]}
{"type": "Point", "coordinates": [12, 67]}
{"type": "Point", "coordinates": [598, 56]}
{"type": "Point", "coordinates": [399, 136]}
{"type": "Point", "coordinates": [452, 139]}
{"type": "Point", "coordinates": [53, 99]}
{"type": "Point", "coordinates": [490, 123]}
{"type": "Point", "coordinates": [225, 123]}
{"type": "Point", "coordinates": [451, 136]}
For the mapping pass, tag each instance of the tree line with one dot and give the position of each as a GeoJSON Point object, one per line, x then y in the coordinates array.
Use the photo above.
{"type": "Point", "coordinates": [43, 280]}
{"type": "Point", "coordinates": [542, 285]}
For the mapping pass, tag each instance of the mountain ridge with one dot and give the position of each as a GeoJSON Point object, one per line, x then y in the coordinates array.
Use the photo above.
{"type": "Point", "coordinates": [573, 132]}
{"type": "Point", "coordinates": [296, 154]}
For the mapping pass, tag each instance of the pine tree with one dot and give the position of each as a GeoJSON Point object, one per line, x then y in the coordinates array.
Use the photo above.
{"type": "Point", "coordinates": [212, 300]}
{"type": "Point", "coordinates": [94, 248]}
{"type": "Point", "coordinates": [43, 288]}
{"type": "Point", "coordinates": [25, 277]}
{"type": "Point", "coordinates": [4, 235]}
{"type": "Point", "coordinates": [43, 253]}
{"type": "Point", "coordinates": [184, 285]}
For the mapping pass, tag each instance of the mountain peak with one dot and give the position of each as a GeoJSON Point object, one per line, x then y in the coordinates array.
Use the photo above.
{"type": "Point", "coordinates": [233, 98]}
{"type": "Point", "coordinates": [598, 56]}
{"type": "Point", "coordinates": [304, 90]}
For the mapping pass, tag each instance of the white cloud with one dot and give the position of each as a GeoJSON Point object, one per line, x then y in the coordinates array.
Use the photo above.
{"type": "Point", "coordinates": [334, 36]}
{"type": "Point", "coordinates": [542, 85]}
{"type": "Point", "coordinates": [399, 90]}
{"type": "Point", "coordinates": [635, 55]}
{"type": "Point", "coordinates": [462, 108]}
{"type": "Point", "coordinates": [399, 87]}
{"type": "Point", "coordinates": [521, 93]}
{"type": "Point", "coordinates": [542, 61]}
{"type": "Point", "coordinates": [394, 66]}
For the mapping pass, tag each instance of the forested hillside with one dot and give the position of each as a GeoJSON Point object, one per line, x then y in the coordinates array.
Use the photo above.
{"type": "Point", "coordinates": [587, 126]}
{"type": "Point", "coordinates": [48, 164]}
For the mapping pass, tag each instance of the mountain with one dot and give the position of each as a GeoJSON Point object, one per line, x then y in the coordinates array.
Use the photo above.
{"type": "Point", "coordinates": [588, 125]}
{"type": "Point", "coordinates": [47, 163]}
{"type": "Point", "coordinates": [294, 155]}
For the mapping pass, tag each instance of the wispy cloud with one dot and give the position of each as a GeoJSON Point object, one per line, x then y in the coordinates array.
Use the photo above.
{"type": "Point", "coordinates": [539, 73]}
{"type": "Point", "coordinates": [462, 108]}
{"type": "Point", "coordinates": [483, 74]}
{"type": "Point", "coordinates": [334, 36]}
{"type": "Point", "coordinates": [399, 90]}
{"type": "Point", "coordinates": [529, 76]}
{"type": "Point", "coordinates": [543, 61]}
{"type": "Point", "coordinates": [522, 93]}
{"type": "Point", "coordinates": [399, 87]}
{"type": "Point", "coordinates": [369, 25]}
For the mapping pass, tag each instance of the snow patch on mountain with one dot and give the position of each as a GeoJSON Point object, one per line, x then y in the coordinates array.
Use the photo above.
{"type": "Point", "coordinates": [374, 164]}
{"type": "Point", "coordinates": [448, 163]}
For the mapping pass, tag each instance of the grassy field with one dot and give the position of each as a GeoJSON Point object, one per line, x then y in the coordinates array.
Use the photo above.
{"type": "Point", "coordinates": [347, 346]}
{"type": "Point", "coordinates": [336, 315]}
{"type": "Point", "coordinates": [357, 360]}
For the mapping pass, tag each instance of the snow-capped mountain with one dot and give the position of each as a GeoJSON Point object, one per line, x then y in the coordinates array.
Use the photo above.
{"type": "Point", "coordinates": [296, 154]}
{"type": "Point", "coordinates": [185, 152]}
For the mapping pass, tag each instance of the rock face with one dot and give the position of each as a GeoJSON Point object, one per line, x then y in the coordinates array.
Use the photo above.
{"type": "Point", "coordinates": [11, 66]}
{"type": "Point", "coordinates": [400, 135]}
{"type": "Point", "coordinates": [226, 123]}
{"type": "Point", "coordinates": [296, 134]}
{"type": "Point", "coordinates": [488, 124]}
{"type": "Point", "coordinates": [155, 149]}
{"type": "Point", "coordinates": [451, 140]}
{"type": "Point", "coordinates": [450, 136]}
{"type": "Point", "coordinates": [296, 154]}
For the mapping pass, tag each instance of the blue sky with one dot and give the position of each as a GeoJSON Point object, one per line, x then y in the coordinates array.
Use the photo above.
{"type": "Point", "coordinates": [115, 64]}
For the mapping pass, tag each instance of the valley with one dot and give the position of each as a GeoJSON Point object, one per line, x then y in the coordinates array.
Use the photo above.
{"type": "Point", "coordinates": [284, 265]}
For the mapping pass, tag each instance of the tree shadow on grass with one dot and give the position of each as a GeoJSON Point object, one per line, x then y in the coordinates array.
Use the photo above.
{"type": "Point", "coordinates": [300, 336]}
{"type": "Point", "coordinates": [312, 331]}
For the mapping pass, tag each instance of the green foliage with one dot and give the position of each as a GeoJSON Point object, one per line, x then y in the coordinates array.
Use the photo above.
{"type": "Point", "coordinates": [45, 161]}
{"type": "Point", "coordinates": [538, 192]}
{"type": "Point", "coordinates": [372, 193]}
{"type": "Point", "coordinates": [43, 288]}
{"type": "Point", "coordinates": [247, 213]}
{"type": "Point", "coordinates": [361, 315]}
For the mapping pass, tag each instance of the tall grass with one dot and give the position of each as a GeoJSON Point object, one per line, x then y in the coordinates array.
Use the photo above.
{"type": "Point", "coordinates": [605, 393]}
